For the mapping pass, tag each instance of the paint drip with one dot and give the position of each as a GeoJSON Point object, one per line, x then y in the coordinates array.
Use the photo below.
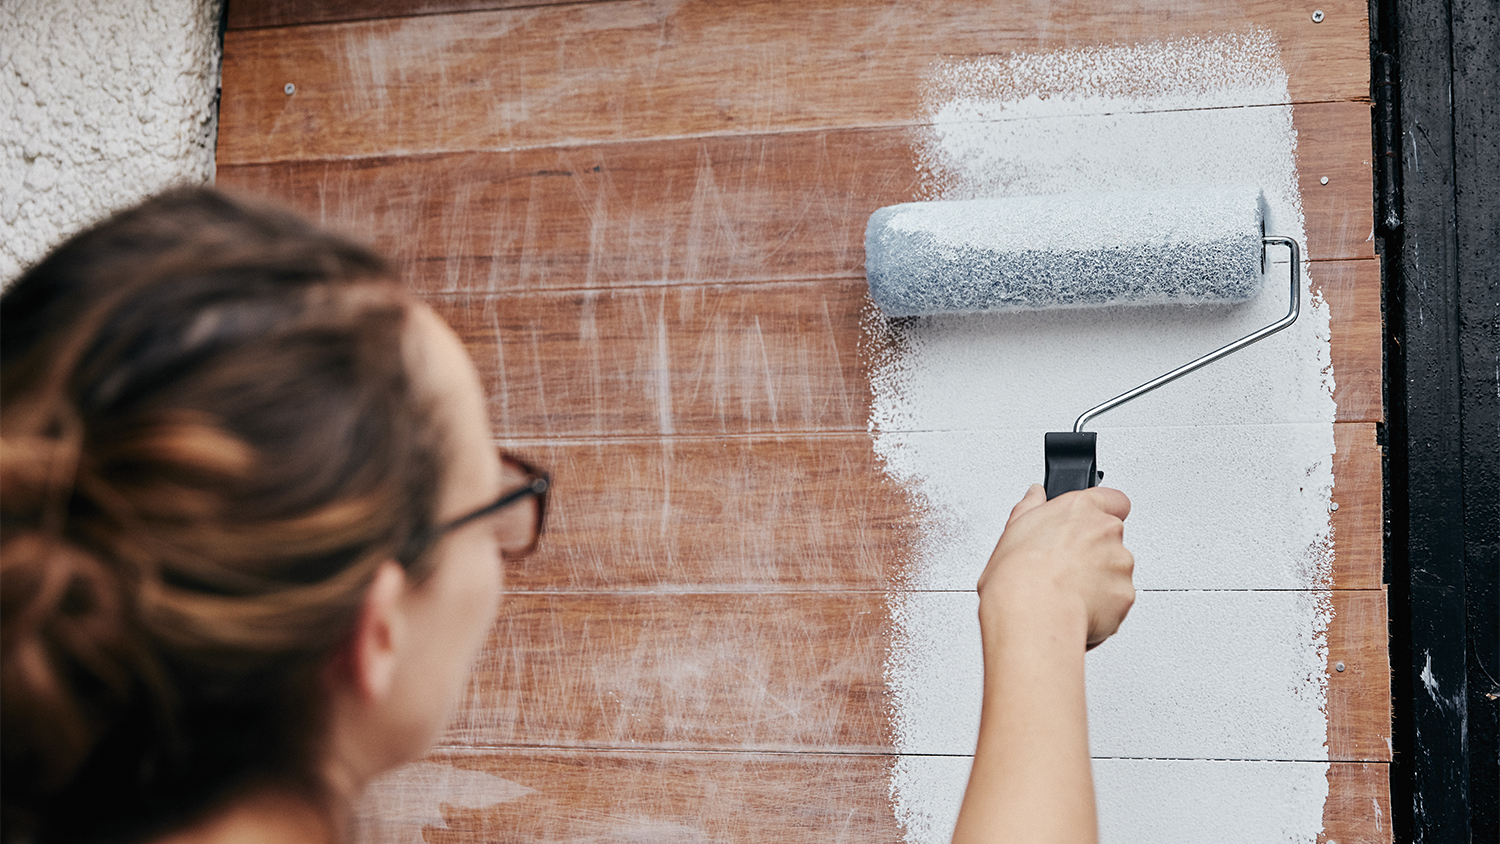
{"type": "Point", "coordinates": [1229, 469]}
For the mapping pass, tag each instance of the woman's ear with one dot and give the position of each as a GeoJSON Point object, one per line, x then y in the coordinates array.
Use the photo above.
{"type": "Point", "coordinates": [376, 641]}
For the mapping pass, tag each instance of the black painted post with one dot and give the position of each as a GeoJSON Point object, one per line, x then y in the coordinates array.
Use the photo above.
{"type": "Point", "coordinates": [1476, 157]}
{"type": "Point", "coordinates": [1440, 223]}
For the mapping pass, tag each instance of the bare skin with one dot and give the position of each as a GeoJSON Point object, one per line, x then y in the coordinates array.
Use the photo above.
{"type": "Point", "coordinates": [1058, 583]}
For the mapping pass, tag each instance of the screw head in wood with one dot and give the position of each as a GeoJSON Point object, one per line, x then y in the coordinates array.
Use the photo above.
{"type": "Point", "coordinates": [1323, 181]}
{"type": "Point", "coordinates": [1317, 16]}
{"type": "Point", "coordinates": [1338, 666]}
{"type": "Point", "coordinates": [1333, 505]}
{"type": "Point", "coordinates": [290, 89]}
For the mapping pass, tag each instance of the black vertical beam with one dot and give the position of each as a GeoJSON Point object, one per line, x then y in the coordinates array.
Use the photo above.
{"type": "Point", "coordinates": [1436, 81]}
{"type": "Point", "coordinates": [1476, 159]}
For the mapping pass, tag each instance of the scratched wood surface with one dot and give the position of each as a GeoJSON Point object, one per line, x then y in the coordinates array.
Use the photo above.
{"type": "Point", "coordinates": [651, 200]}
{"type": "Point", "coordinates": [807, 798]}
{"type": "Point", "coordinates": [794, 512]}
{"type": "Point", "coordinates": [628, 70]}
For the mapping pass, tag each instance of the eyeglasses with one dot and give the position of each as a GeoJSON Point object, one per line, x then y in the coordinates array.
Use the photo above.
{"type": "Point", "coordinates": [518, 540]}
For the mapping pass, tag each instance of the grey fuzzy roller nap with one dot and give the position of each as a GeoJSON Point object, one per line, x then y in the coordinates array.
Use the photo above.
{"type": "Point", "coordinates": [1078, 251]}
{"type": "Point", "coordinates": [1068, 251]}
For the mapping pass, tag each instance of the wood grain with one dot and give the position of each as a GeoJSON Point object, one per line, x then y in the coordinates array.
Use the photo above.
{"type": "Point", "coordinates": [1359, 521]}
{"type": "Point", "coordinates": [254, 14]}
{"type": "Point", "coordinates": [732, 359]}
{"type": "Point", "coordinates": [1362, 691]}
{"type": "Point", "coordinates": [626, 797]}
{"type": "Point", "coordinates": [804, 512]}
{"type": "Point", "coordinates": [1352, 290]}
{"type": "Point", "coordinates": [785, 672]}
{"type": "Point", "coordinates": [616, 797]}
{"type": "Point", "coordinates": [1358, 810]}
{"type": "Point", "coordinates": [623, 71]}
{"type": "Point", "coordinates": [751, 208]}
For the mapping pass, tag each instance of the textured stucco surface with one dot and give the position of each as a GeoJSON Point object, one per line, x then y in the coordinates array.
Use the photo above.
{"type": "Point", "coordinates": [102, 102]}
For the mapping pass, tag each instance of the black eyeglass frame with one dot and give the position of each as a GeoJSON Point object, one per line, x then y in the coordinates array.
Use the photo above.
{"type": "Point", "coordinates": [538, 485]}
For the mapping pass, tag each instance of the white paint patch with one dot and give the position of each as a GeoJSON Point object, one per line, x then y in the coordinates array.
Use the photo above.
{"type": "Point", "coordinates": [1218, 675]}
{"type": "Point", "coordinates": [1162, 801]}
{"type": "Point", "coordinates": [400, 806]}
{"type": "Point", "coordinates": [104, 103]}
{"type": "Point", "coordinates": [1230, 469]}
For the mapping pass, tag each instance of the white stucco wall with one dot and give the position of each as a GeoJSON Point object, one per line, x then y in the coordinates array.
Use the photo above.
{"type": "Point", "coordinates": [102, 102]}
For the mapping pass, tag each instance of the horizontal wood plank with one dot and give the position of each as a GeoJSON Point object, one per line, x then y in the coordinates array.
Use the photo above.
{"type": "Point", "coordinates": [752, 208]}
{"type": "Point", "coordinates": [254, 14]}
{"type": "Point", "coordinates": [1352, 290]}
{"type": "Point", "coordinates": [791, 672]}
{"type": "Point", "coordinates": [795, 513]}
{"type": "Point", "coordinates": [527, 795]}
{"type": "Point", "coordinates": [805, 513]}
{"type": "Point", "coordinates": [622, 71]}
{"type": "Point", "coordinates": [726, 360]}
{"type": "Point", "coordinates": [1358, 809]}
{"type": "Point", "coordinates": [1361, 693]}
{"type": "Point", "coordinates": [619, 797]}
{"type": "Point", "coordinates": [1358, 523]}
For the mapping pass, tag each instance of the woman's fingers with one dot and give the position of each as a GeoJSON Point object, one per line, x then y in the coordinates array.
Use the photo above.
{"type": "Point", "coordinates": [1035, 497]}
{"type": "Point", "coordinates": [1070, 551]}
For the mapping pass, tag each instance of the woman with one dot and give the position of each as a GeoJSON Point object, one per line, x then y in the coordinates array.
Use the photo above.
{"type": "Point", "coordinates": [253, 534]}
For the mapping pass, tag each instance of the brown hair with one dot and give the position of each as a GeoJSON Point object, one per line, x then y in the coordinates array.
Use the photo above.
{"type": "Point", "coordinates": [210, 440]}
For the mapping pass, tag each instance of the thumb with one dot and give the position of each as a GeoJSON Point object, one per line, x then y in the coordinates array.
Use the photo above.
{"type": "Point", "coordinates": [1035, 497]}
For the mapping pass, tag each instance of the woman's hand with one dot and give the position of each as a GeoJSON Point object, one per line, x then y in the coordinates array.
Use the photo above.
{"type": "Point", "coordinates": [1057, 583]}
{"type": "Point", "coordinates": [1064, 557]}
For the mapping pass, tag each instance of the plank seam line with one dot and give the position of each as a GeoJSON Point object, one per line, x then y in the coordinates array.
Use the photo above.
{"type": "Point", "coordinates": [694, 591]}
{"type": "Point", "coordinates": [348, 21]}
{"type": "Point", "coordinates": [689, 285]}
{"type": "Point", "coordinates": [891, 754]}
{"type": "Point", "coordinates": [808, 434]}
{"type": "Point", "coordinates": [744, 136]}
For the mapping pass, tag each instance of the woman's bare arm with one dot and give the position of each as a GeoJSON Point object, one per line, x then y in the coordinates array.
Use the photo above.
{"type": "Point", "coordinates": [1059, 582]}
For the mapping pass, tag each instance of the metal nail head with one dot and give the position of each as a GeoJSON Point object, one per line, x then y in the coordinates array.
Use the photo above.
{"type": "Point", "coordinates": [290, 89]}
{"type": "Point", "coordinates": [1317, 16]}
{"type": "Point", "coordinates": [1323, 180]}
{"type": "Point", "coordinates": [1338, 666]}
{"type": "Point", "coordinates": [1334, 505]}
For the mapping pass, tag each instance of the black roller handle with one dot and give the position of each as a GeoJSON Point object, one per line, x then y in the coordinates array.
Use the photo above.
{"type": "Point", "coordinates": [1072, 462]}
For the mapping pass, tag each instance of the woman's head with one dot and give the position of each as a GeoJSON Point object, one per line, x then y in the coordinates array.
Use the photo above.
{"type": "Point", "coordinates": [223, 430]}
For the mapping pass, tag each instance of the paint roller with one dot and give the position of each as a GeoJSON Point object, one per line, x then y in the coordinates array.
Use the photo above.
{"type": "Point", "coordinates": [1170, 247]}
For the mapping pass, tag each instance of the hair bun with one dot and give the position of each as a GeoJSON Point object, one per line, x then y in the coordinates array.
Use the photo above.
{"type": "Point", "coordinates": [65, 640]}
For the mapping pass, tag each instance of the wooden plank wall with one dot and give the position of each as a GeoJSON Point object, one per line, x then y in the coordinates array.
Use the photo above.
{"type": "Point", "coordinates": [646, 221]}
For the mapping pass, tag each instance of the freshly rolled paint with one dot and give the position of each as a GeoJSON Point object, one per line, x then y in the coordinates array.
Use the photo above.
{"type": "Point", "coordinates": [1229, 469]}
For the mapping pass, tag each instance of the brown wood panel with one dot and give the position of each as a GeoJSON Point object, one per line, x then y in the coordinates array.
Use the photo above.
{"type": "Point", "coordinates": [728, 359]}
{"type": "Point", "coordinates": [794, 513]}
{"type": "Point", "coordinates": [1359, 521]}
{"type": "Point", "coordinates": [1361, 693]}
{"type": "Point", "coordinates": [750, 208]}
{"type": "Point", "coordinates": [784, 672]}
{"type": "Point", "coordinates": [733, 513]}
{"type": "Point", "coordinates": [1352, 290]}
{"type": "Point", "coordinates": [1358, 809]}
{"type": "Point", "coordinates": [731, 359]}
{"type": "Point", "coordinates": [787, 672]}
{"type": "Point", "coordinates": [253, 14]}
{"type": "Point", "coordinates": [635, 796]}
{"type": "Point", "coordinates": [630, 70]}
